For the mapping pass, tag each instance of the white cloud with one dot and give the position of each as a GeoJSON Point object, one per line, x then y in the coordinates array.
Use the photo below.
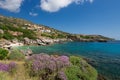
{"type": "Point", "coordinates": [11, 5]}
{"type": "Point", "coordinates": [33, 14]}
{"type": "Point", "coordinates": [56, 5]}
{"type": "Point", "coordinates": [91, 1]}
{"type": "Point", "coordinates": [88, 0]}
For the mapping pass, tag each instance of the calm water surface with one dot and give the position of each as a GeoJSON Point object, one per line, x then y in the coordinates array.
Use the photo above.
{"type": "Point", "coordinates": [106, 56]}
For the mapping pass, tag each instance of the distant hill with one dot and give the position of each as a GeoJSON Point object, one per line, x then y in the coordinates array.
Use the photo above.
{"type": "Point", "coordinates": [15, 28]}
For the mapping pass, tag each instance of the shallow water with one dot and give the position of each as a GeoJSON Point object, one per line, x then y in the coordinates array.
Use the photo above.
{"type": "Point", "coordinates": [106, 56]}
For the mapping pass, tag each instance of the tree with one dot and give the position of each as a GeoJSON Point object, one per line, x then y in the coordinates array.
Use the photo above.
{"type": "Point", "coordinates": [3, 53]}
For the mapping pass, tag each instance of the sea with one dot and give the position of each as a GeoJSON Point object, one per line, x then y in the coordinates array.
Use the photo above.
{"type": "Point", "coordinates": [105, 56]}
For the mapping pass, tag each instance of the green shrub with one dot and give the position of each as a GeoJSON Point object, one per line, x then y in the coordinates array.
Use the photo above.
{"type": "Point", "coordinates": [8, 36]}
{"type": "Point", "coordinates": [3, 53]}
{"type": "Point", "coordinates": [86, 37]}
{"type": "Point", "coordinates": [75, 60]}
{"type": "Point", "coordinates": [16, 55]}
{"type": "Point", "coordinates": [80, 70]}
{"type": "Point", "coordinates": [1, 35]}
{"type": "Point", "coordinates": [48, 35]}
{"type": "Point", "coordinates": [72, 73]}
{"type": "Point", "coordinates": [28, 33]}
{"type": "Point", "coordinates": [61, 36]}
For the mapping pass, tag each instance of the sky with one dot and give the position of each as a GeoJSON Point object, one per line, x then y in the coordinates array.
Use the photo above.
{"type": "Point", "coordinates": [100, 17]}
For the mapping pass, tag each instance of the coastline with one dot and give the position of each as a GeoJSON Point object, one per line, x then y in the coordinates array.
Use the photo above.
{"type": "Point", "coordinates": [100, 53]}
{"type": "Point", "coordinates": [46, 45]}
{"type": "Point", "coordinates": [28, 42]}
{"type": "Point", "coordinates": [8, 44]}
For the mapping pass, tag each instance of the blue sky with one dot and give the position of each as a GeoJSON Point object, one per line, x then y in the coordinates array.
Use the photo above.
{"type": "Point", "coordinates": [74, 16]}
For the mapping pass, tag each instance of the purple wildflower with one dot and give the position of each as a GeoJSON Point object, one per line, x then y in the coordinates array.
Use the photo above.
{"type": "Point", "coordinates": [7, 67]}
{"type": "Point", "coordinates": [12, 65]}
{"type": "Point", "coordinates": [4, 67]}
{"type": "Point", "coordinates": [48, 64]}
{"type": "Point", "coordinates": [61, 76]}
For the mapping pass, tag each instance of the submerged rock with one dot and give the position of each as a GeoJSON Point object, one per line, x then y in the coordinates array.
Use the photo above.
{"type": "Point", "coordinates": [27, 52]}
{"type": "Point", "coordinates": [101, 77]}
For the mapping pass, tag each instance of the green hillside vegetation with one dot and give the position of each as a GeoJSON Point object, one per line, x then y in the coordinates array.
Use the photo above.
{"type": "Point", "coordinates": [54, 35]}
{"type": "Point", "coordinates": [10, 25]}
{"type": "Point", "coordinates": [7, 35]}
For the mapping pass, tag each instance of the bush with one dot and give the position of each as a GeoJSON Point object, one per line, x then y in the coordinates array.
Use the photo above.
{"type": "Point", "coordinates": [86, 37]}
{"type": "Point", "coordinates": [50, 67]}
{"type": "Point", "coordinates": [61, 76]}
{"type": "Point", "coordinates": [3, 53]}
{"type": "Point", "coordinates": [46, 66]}
{"type": "Point", "coordinates": [53, 35]}
{"type": "Point", "coordinates": [7, 67]}
{"type": "Point", "coordinates": [6, 70]}
{"type": "Point", "coordinates": [80, 70]}
{"type": "Point", "coordinates": [28, 33]}
{"type": "Point", "coordinates": [1, 35]}
{"type": "Point", "coordinates": [16, 55]}
{"type": "Point", "coordinates": [72, 73]}
{"type": "Point", "coordinates": [8, 36]}
{"type": "Point", "coordinates": [75, 60]}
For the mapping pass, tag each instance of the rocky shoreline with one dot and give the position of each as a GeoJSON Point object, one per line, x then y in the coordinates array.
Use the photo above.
{"type": "Point", "coordinates": [89, 38]}
{"type": "Point", "coordinates": [8, 44]}
{"type": "Point", "coordinates": [44, 41]}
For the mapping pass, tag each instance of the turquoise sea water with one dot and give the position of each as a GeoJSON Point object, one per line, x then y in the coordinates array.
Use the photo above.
{"type": "Point", "coordinates": [105, 56]}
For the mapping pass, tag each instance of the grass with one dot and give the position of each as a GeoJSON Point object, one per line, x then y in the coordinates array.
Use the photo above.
{"type": "Point", "coordinates": [20, 73]}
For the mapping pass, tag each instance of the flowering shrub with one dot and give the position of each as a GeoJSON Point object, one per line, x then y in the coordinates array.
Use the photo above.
{"type": "Point", "coordinates": [43, 64]}
{"type": "Point", "coordinates": [52, 67]}
{"type": "Point", "coordinates": [61, 76]}
{"type": "Point", "coordinates": [7, 67]}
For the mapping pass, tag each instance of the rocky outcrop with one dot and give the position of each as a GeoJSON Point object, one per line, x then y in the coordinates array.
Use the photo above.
{"type": "Point", "coordinates": [43, 41]}
{"type": "Point", "coordinates": [9, 44]}
{"type": "Point", "coordinates": [89, 38]}
{"type": "Point", "coordinates": [1, 31]}
{"type": "Point", "coordinates": [101, 77]}
{"type": "Point", "coordinates": [28, 52]}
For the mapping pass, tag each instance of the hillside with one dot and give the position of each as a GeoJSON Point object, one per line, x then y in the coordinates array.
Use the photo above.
{"type": "Point", "coordinates": [26, 32]}
{"type": "Point", "coordinates": [19, 28]}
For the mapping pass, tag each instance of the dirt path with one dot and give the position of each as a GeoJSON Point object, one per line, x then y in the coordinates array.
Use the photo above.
{"type": "Point", "coordinates": [20, 73]}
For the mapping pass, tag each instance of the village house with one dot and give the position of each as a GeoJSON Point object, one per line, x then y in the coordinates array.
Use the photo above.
{"type": "Point", "coordinates": [37, 28]}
